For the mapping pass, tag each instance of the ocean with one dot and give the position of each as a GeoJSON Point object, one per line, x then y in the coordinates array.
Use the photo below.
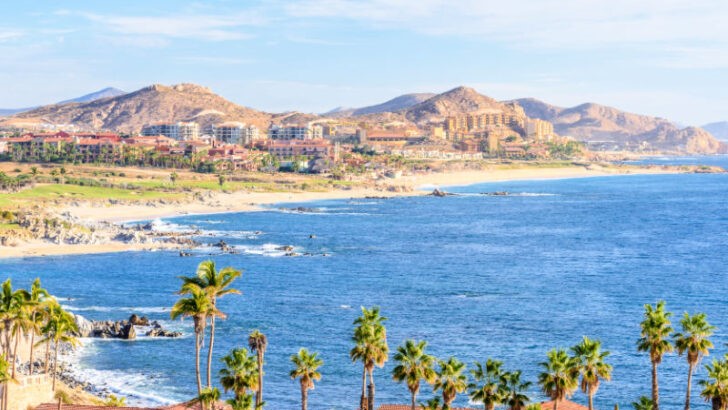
{"type": "Point", "coordinates": [476, 276]}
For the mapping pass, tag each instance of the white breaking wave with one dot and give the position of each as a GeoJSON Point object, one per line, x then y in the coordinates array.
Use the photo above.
{"type": "Point", "coordinates": [129, 309]}
{"type": "Point", "coordinates": [159, 225]}
{"type": "Point", "coordinates": [136, 387]}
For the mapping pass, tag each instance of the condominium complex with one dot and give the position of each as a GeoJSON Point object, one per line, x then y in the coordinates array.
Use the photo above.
{"type": "Point", "coordinates": [235, 133]}
{"type": "Point", "coordinates": [180, 131]}
{"type": "Point", "coordinates": [539, 130]}
{"type": "Point", "coordinates": [484, 121]}
{"type": "Point", "coordinates": [295, 132]}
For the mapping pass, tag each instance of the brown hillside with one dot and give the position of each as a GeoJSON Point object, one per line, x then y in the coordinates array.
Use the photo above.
{"type": "Point", "coordinates": [460, 100]}
{"type": "Point", "coordinates": [129, 112]}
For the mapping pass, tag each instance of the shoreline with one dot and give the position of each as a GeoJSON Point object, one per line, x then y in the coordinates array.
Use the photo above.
{"type": "Point", "coordinates": [222, 203]}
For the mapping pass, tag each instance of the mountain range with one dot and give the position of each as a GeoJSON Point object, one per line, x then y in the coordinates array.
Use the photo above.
{"type": "Point", "coordinates": [97, 95]}
{"type": "Point", "coordinates": [598, 123]}
{"type": "Point", "coordinates": [112, 109]}
{"type": "Point", "coordinates": [718, 129]}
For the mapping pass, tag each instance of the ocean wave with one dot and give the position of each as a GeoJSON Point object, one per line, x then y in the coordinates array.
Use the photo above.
{"type": "Point", "coordinates": [159, 225]}
{"type": "Point", "coordinates": [129, 309]}
{"type": "Point", "coordinates": [136, 387]}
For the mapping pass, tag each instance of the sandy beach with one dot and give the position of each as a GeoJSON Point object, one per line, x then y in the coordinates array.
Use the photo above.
{"type": "Point", "coordinates": [420, 184]}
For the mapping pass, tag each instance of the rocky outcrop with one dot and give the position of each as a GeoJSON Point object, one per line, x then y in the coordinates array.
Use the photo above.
{"type": "Point", "coordinates": [123, 329]}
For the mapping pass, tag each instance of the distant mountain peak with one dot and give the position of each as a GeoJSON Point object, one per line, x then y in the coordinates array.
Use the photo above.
{"type": "Point", "coordinates": [96, 95]}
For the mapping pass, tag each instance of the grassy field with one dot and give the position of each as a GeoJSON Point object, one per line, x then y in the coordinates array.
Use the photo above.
{"type": "Point", "coordinates": [50, 192]}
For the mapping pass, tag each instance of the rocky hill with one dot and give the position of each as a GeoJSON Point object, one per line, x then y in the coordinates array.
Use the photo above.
{"type": "Point", "coordinates": [460, 100]}
{"type": "Point", "coordinates": [395, 104]}
{"type": "Point", "coordinates": [129, 112]}
{"type": "Point", "coordinates": [601, 124]}
{"type": "Point", "coordinates": [718, 129]}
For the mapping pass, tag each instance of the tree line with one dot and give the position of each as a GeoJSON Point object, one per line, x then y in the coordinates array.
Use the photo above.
{"type": "Point", "coordinates": [582, 367]}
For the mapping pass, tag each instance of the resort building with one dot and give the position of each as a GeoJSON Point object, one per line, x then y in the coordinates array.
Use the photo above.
{"type": "Point", "coordinates": [403, 135]}
{"type": "Point", "coordinates": [180, 131]}
{"type": "Point", "coordinates": [295, 132]}
{"type": "Point", "coordinates": [539, 130]}
{"type": "Point", "coordinates": [301, 148]}
{"type": "Point", "coordinates": [465, 123]}
{"type": "Point", "coordinates": [235, 133]}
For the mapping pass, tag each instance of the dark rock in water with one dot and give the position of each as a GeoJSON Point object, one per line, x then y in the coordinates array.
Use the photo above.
{"type": "Point", "coordinates": [184, 254]}
{"type": "Point", "coordinates": [159, 332]}
{"type": "Point", "coordinates": [497, 193]}
{"type": "Point", "coordinates": [301, 209]}
{"type": "Point", "coordinates": [286, 248]}
{"type": "Point", "coordinates": [439, 193]}
{"type": "Point", "coordinates": [128, 332]}
{"type": "Point", "coordinates": [138, 321]}
{"type": "Point", "coordinates": [291, 254]}
{"type": "Point", "coordinates": [312, 236]}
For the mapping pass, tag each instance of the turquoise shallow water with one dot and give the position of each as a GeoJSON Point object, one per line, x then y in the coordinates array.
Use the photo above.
{"type": "Point", "coordinates": [477, 276]}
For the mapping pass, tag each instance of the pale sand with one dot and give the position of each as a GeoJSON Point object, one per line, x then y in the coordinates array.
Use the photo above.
{"type": "Point", "coordinates": [255, 201]}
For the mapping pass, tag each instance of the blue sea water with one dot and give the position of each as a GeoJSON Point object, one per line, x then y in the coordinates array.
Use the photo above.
{"type": "Point", "coordinates": [477, 276]}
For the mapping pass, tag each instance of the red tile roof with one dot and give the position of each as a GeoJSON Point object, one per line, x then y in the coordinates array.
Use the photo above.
{"type": "Point", "coordinates": [408, 407]}
{"type": "Point", "coordinates": [563, 405]}
{"type": "Point", "coordinates": [178, 406]}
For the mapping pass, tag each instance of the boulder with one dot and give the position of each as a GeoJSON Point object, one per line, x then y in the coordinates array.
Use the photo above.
{"type": "Point", "coordinates": [128, 332]}
{"type": "Point", "coordinates": [85, 326]}
{"type": "Point", "coordinates": [138, 321]}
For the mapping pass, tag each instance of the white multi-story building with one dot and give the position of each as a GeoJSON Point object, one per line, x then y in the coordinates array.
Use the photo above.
{"type": "Point", "coordinates": [295, 132]}
{"type": "Point", "coordinates": [180, 131]}
{"type": "Point", "coordinates": [236, 133]}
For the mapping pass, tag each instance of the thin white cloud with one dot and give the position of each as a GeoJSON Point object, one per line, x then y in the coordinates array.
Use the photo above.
{"type": "Point", "coordinates": [538, 24]}
{"type": "Point", "coordinates": [9, 35]}
{"type": "Point", "coordinates": [215, 60]}
{"type": "Point", "coordinates": [199, 27]}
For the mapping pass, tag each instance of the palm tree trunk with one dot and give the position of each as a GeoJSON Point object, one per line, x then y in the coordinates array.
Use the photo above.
{"type": "Point", "coordinates": [655, 388]}
{"type": "Point", "coordinates": [209, 352]}
{"type": "Point", "coordinates": [15, 352]}
{"type": "Point", "coordinates": [55, 365]}
{"type": "Point", "coordinates": [304, 398]}
{"type": "Point", "coordinates": [690, 382]}
{"type": "Point", "coordinates": [47, 355]}
{"type": "Point", "coordinates": [197, 364]}
{"type": "Point", "coordinates": [414, 401]}
{"type": "Point", "coordinates": [591, 398]}
{"type": "Point", "coordinates": [370, 401]}
{"type": "Point", "coordinates": [259, 393]}
{"type": "Point", "coordinates": [363, 399]}
{"type": "Point", "coordinates": [556, 404]}
{"type": "Point", "coordinates": [30, 356]}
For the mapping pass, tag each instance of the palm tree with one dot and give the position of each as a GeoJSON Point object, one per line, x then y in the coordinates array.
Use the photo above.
{"type": "Point", "coordinates": [306, 370]}
{"type": "Point", "coordinates": [5, 378]}
{"type": "Point", "coordinates": [487, 388]}
{"type": "Point", "coordinates": [240, 373]}
{"type": "Point", "coordinates": [414, 365]}
{"type": "Point", "coordinates": [208, 397]}
{"type": "Point", "coordinates": [592, 367]}
{"type": "Point", "coordinates": [655, 332]}
{"type": "Point", "coordinates": [432, 404]}
{"type": "Point", "coordinates": [515, 387]}
{"type": "Point", "coordinates": [11, 307]}
{"type": "Point", "coordinates": [694, 341]}
{"type": "Point", "coordinates": [197, 306]}
{"type": "Point", "coordinates": [59, 329]}
{"type": "Point", "coordinates": [215, 284]}
{"type": "Point", "coordinates": [37, 296]}
{"type": "Point", "coordinates": [242, 403]}
{"type": "Point", "coordinates": [643, 404]}
{"type": "Point", "coordinates": [715, 389]}
{"type": "Point", "coordinates": [560, 377]}
{"type": "Point", "coordinates": [258, 343]}
{"type": "Point", "coordinates": [370, 338]}
{"type": "Point", "coordinates": [451, 380]}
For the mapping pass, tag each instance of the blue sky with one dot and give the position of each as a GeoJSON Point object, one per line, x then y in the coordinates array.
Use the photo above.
{"type": "Point", "coordinates": [666, 58]}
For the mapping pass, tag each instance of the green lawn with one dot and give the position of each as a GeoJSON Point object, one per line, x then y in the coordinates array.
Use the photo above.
{"type": "Point", "coordinates": [58, 191]}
